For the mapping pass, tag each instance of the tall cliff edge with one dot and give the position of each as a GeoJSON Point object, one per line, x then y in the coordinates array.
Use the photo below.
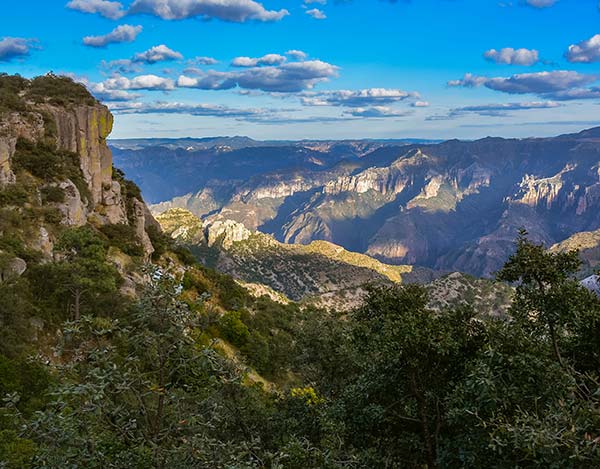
{"type": "Point", "coordinates": [53, 141]}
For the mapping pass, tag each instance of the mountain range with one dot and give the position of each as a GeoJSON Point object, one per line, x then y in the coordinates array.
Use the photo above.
{"type": "Point", "coordinates": [449, 206]}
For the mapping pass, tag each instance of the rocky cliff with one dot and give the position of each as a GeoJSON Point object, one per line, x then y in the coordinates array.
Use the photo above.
{"type": "Point", "coordinates": [54, 157]}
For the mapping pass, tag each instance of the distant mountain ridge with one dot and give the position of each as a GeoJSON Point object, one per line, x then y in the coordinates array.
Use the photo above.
{"type": "Point", "coordinates": [320, 273]}
{"type": "Point", "coordinates": [456, 205]}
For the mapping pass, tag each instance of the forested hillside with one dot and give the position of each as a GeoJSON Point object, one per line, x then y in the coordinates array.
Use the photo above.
{"type": "Point", "coordinates": [118, 349]}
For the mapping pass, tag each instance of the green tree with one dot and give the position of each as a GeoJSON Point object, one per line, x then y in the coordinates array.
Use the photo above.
{"type": "Point", "coordinates": [548, 297]}
{"type": "Point", "coordinates": [82, 278]}
{"type": "Point", "coordinates": [409, 356]}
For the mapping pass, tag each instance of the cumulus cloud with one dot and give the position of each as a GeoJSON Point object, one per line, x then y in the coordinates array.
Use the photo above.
{"type": "Point", "coordinates": [100, 91]}
{"type": "Point", "coordinates": [237, 11]}
{"type": "Point", "coordinates": [536, 83]}
{"type": "Point", "coordinates": [156, 54]}
{"type": "Point", "coordinates": [297, 54]}
{"type": "Point", "coordinates": [420, 104]}
{"type": "Point", "coordinates": [123, 33]}
{"type": "Point", "coordinates": [203, 61]}
{"type": "Point", "coordinates": [15, 47]}
{"type": "Point", "coordinates": [269, 59]}
{"type": "Point", "coordinates": [141, 82]}
{"type": "Point", "coordinates": [377, 112]}
{"type": "Point", "coordinates": [541, 3]}
{"type": "Point", "coordinates": [511, 56]}
{"type": "Point", "coordinates": [358, 98]}
{"type": "Point", "coordinates": [160, 53]}
{"type": "Point", "coordinates": [284, 78]}
{"type": "Point", "coordinates": [585, 52]}
{"type": "Point", "coordinates": [316, 14]}
{"type": "Point", "coordinates": [108, 9]}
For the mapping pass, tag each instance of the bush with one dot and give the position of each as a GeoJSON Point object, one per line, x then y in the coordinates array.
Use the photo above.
{"type": "Point", "coordinates": [46, 162]}
{"type": "Point", "coordinates": [185, 255]}
{"type": "Point", "coordinates": [233, 329]}
{"type": "Point", "coordinates": [123, 236]}
{"type": "Point", "coordinates": [161, 242]}
{"type": "Point", "coordinates": [10, 88]}
{"type": "Point", "coordinates": [52, 194]}
{"type": "Point", "coordinates": [59, 90]}
{"type": "Point", "coordinates": [13, 194]}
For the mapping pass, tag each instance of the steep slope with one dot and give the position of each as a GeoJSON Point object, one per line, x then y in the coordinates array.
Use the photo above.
{"type": "Point", "coordinates": [320, 272]}
{"type": "Point", "coordinates": [56, 172]}
{"type": "Point", "coordinates": [450, 206]}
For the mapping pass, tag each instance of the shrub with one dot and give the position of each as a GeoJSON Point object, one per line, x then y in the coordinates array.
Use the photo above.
{"type": "Point", "coordinates": [52, 194]}
{"type": "Point", "coordinates": [233, 329]}
{"type": "Point", "coordinates": [59, 90]}
{"type": "Point", "coordinates": [123, 237]}
{"type": "Point", "coordinates": [13, 194]}
{"type": "Point", "coordinates": [46, 162]}
{"type": "Point", "coordinates": [161, 242]}
{"type": "Point", "coordinates": [10, 88]}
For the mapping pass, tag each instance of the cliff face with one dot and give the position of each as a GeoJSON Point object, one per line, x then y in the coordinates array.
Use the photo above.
{"type": "Point", "coordinates": [83, 130]}
{"type": "Point", "coordinates": [80, 129]}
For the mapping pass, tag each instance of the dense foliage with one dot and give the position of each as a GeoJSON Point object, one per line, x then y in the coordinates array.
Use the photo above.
{"type": "Point", "coordinates": [16, 92]}
{"type": "Point", "coordinates": [197, 373]}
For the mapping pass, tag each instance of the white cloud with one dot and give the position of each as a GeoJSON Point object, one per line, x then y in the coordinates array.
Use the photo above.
{"type": "Point", "coordinates": [297, 54]}
{"type": "Point", "coordinates": [269, 59]}
{"type": "Point", "coordinates": [586, 51]}
{"type": "Point", "coordinates": [420, 104]}
{"type": "Point", "coordinates": [316, 14]}
{"type": "Point", "coordinates": [284, 78]}
{"type": "Point", "coordinates": [537, 83]}
{"type": "Point", "coordinates": [357, 98]}
{"type": "Point", "coordinates": [14, 47]}
{"type": "Point", "coordinates": [156, 54]}
{"type": "Point", "coordinates": [108, 9]}
{"type": "Point", "coordinates": [203, 61]}
{"type": "Point", "coordinates": [141, 82]}
{"type": "Point", "coordinates": [377, 112]}
{"type": "Point", "coordinates": [123, 33]}
{"type": "Point", "coordinates": [237, 11]}
{"type": "Point", "coordinates": [100, 91]}
{"type": "Point", "coordinates": [511, 56]}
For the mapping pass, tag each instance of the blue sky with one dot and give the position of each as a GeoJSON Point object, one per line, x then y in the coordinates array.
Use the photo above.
{"type": "Point", "coordinates": [322, 68]}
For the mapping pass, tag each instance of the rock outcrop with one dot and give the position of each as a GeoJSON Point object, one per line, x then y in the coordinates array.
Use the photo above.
{"type": "Point", "coordinates": [80, 127]}
{"type": "Point", "coordinates": [13, 126]}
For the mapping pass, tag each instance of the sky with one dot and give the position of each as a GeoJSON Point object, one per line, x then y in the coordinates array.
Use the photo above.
{"type": "Point", "coordinates": [320, 69]}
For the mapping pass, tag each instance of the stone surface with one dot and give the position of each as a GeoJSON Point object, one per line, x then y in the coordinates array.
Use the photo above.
{"type": "Point", "coordinates": [73, 208]}
{"type": "Point", "coordinates": [139, 224]}
{"type": "Point", "coordinates": [11, 268]}
{"type": "Point", "coordinates": [592, 283]}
